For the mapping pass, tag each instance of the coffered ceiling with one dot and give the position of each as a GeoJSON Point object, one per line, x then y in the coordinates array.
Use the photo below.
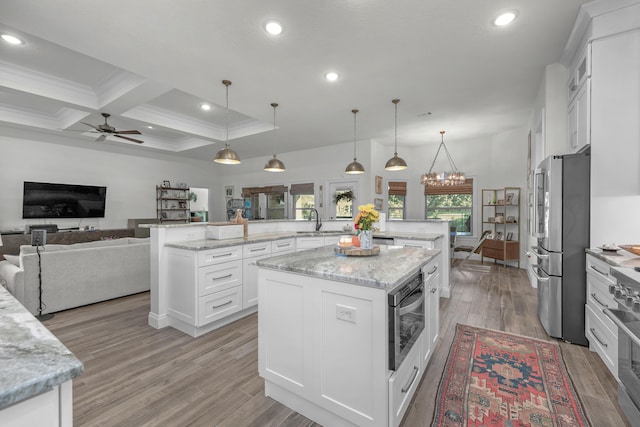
{"type": "Point", "coordinates": [151, 63]}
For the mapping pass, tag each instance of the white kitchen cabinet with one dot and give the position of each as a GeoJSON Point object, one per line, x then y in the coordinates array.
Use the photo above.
{"type": "Point", "coordinates": [432, 281]}
{"type": "Point", "coordinates": [283, 246]}
{"type": "Point", "coordinates": [318, 360]}
{"type": "Point", "coordinates": [304, 243]}
{"type": "Point", "coordinates": [252, 253]}
{"type": "Point", "coordinates": [204, 288]}
{"type": "Point", "coordinates": [600, 330]}
{"type": "Point", "coordinates": [579, 118]}
{"type": "Point", "coordinates": [403, 383]}
{"type": "Point", "coordinates": [426, 244]}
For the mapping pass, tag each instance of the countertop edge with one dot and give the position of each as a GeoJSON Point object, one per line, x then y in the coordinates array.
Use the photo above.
{"type": "Point", "coordinates": [619, 258]}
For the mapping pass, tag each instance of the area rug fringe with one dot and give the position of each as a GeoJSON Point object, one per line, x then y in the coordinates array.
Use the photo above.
{"type": "Point", "coordinates": [573, 414]}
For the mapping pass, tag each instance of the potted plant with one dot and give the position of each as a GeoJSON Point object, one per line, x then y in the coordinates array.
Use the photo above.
{"type": "Point", "coordinates": [347, 196]}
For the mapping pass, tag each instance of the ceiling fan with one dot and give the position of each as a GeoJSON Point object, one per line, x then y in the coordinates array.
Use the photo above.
{"type": "Point", "coordinates": [106, 129]}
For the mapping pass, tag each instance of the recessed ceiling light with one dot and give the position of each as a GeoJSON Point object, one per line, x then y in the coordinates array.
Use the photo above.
{"type": "Point", "coordinates": [505, 18]}
{"type": "Point", "coordinates": [149, 127]}
{"type": "Point", "coordinates": [332, 77]}
{"type": "Point", "coordinates": [205, 106]}
{"type": "Point", "coordinates": [11, 39]}
{"type": "Point", "coordinates": [273, 28]}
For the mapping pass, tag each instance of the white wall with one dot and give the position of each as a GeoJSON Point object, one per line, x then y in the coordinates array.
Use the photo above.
{"type": "Point", "coordinates": [130, 178]}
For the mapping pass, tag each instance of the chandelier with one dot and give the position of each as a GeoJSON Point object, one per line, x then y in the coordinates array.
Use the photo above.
{"type": "Point", "coordinates": [443, 179]}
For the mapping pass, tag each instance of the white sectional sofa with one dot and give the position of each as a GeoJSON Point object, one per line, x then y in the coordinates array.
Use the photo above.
{"type": "Point", "coordinates": [78, 274]}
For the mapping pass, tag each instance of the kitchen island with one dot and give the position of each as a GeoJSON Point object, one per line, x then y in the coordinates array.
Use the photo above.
{"type": "Point", "coordinates": [324, 333]}
{"type": "Point", "coordinates": [36, 370]}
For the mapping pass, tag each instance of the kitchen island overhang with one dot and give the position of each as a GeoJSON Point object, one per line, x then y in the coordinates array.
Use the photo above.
{"type": "Point", "coordinates": [323, 332]}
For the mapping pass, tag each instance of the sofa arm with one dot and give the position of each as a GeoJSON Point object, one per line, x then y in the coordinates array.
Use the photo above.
{"type": "Point", "coordinates": [14, 277]}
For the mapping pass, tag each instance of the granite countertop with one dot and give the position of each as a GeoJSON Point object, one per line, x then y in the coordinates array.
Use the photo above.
{"type": "Point", "coordinates": [390, 268]}
{"type": "Point", "coordinates": [619, 258]}
{"type": "Point", "coordinates": [32, 360]}
{"type": "Point", "coordinates": [204, 244]}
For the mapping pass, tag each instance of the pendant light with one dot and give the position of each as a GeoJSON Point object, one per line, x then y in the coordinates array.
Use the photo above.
{"type": "Point", "coordinates": [396, 163]}
{"type": "Point", "coordinates": [445, 178]}
{"type": "Point", "coordinates": [227, 156]}
{"type": "Point", "coordinates": [354, 167]}
{"type": "Point", "coordinates": [274, 165]}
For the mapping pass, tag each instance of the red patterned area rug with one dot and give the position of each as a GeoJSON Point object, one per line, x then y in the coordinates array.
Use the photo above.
{"type": "Point", "coordinates": [493, 378]}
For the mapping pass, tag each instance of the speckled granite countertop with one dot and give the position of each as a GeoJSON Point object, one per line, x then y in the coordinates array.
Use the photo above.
{"type": "Point", "coordinates": [32, 360]}
{"type": "Point", "coordinates": [390, 268]}
{"type": "Point", "coordinates": [204, 244]}
{"type": "Point", "coordinates": [619, 258]}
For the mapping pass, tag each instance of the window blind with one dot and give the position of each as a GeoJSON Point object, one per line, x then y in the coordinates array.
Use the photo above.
{"type": "Point", "coordinates": [297, 189]}
{"type": "Point", "coordinates": [397, 188]}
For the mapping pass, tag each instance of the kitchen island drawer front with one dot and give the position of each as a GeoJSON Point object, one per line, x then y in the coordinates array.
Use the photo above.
{"type": "Point", "coordinates": [218, 277]}
{"type": "Point", "coordinates": [219, 255]}
{"type": "Point", "coordinates": [256, 249]}
{"type": "Point", "coordinates": [403, 383]}
{"type": "Point", "coordinates": [304, 243]}
{"type": "Point", "coordinates": [602, 340]}
{"type": "Point", "coordinates": [426, 244]}
{"type": "Point", "coordinates": [283, 246]}
{"type": "Point", "coordinates": [219, 305]}
{"type": "Point", "coordinates": [599, 269]}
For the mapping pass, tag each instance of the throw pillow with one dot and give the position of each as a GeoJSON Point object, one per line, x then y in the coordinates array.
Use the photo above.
{"type": "Point", "coordinates": [13, 259]}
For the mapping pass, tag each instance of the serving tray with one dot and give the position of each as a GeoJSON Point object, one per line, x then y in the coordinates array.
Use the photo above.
{"type": "Point", "coordinates": [357, 251]}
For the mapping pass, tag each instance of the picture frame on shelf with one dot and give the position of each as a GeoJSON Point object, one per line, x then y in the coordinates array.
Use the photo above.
{"type": "Point", "coordinates": [378, 184]}
{"type": "Point", "coordinates": [510, 235]}
{"type": "Point", "coordinates": [377, 203]}
{"type": "Point", "coordinates": [500, 202]}
{"type": "Point", "coordinates": [498, 235]}
{"type": "Point", "coordinates": [228, 192]}
{"type": "Point", "coordinates": [164, 215]}
{"type": "Point", "coordinates": [509, 199]}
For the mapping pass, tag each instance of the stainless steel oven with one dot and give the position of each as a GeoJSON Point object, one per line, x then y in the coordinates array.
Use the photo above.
{"type": "Point", "coordinates": [627, 318]}
{"type": "Point", "coordinates": [406, 318]}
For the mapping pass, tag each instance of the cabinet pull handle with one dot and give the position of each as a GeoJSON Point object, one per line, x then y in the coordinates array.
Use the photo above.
{"type": "Point", "coordinates": [435, 267]}
{"type": "Point", "coordinates": [593, 332]}
{"type": "Point", "coordinates": [223, 277]}
{"type": "Point", "coordinates": [598, 270]}
{"type": "Point", "coordinates": [223, 304]}
{"type": "Point", "coordinates": [595, 297]}
{"type": "Point", "coordinates": [412, 246]}
{"type": "Point", "coordinates": [411, 380]}
{"type": "Point", "coordinates": [222, 255]}
{"type": "Point", "coordinates": [258, 249]}
{"type": "Point", "coordinates": [282, 245]}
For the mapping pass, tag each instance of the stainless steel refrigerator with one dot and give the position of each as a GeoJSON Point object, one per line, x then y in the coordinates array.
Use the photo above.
{"type": "Point", "coordinates": [561, 225]}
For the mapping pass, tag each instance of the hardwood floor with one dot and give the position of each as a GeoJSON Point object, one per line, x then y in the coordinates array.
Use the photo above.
{"type": "Point", "coordinates": [139, 376]}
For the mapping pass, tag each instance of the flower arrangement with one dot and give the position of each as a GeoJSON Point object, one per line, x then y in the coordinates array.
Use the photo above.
{"type": "Point", "coordinates": [367, 215]}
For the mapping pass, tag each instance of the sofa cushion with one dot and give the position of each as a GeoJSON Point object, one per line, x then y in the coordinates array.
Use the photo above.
{"type": "Point", "coordinates": [13, 259]}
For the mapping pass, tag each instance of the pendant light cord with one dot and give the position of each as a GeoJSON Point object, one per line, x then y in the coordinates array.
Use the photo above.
{"type": "Point", "coordinates": [226, 118]}
{"type": "Point", "coordinates": [395, 131]}
{"type": "Point", "coordinates": [354, 133]}
{"type": "Point", "coordinates": [274, 105]}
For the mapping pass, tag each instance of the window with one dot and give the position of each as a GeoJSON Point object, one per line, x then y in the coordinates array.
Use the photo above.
{"type": "Point", "coordinates": [303, 200]}
{"type": "Point", "coordinates": [272, 198]}
{"type": "Point", "coordinates": [276, 205]}
{"type": "Point", "coordinates": [396, 200]}
{"type": "Point", "coordinates": [454, 204]}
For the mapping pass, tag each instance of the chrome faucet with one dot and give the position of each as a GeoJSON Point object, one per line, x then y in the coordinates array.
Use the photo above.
{"type": "Point", "coordinates": [318, 223]}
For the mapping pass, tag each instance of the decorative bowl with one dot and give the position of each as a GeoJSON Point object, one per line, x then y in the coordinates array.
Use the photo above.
{"type": "Point", "coordinates": [634, 249]}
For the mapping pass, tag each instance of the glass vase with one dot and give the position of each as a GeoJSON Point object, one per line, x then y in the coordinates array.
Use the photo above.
{"type": "Point", "coordinates": [366, 240]}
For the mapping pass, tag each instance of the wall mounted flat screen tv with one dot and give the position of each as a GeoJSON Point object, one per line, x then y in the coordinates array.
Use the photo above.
{"type": "Point", "coordinates": [49, 200]}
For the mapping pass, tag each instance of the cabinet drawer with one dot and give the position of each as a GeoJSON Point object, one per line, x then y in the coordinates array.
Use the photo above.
{"type": "Point", "coordinates": [599, 298]}
{"type": "Point", "coordinates": [284, 245]}
{"type": "Point", "coordinates": [492, 253]}
{"type": "Point", "coordinates": [426, 244]}
{"type": "Point", "coordinates": [256, 249]}
{"type": "Point", "coordinates": [599, 269]}
{"type": "Point", "coordinates": [219, 255]}
{"type": "Point", "coordinates": [601, 340]}
{"type": "Point", "coordinates": [219, 304]}
{"type": "Point", "coordinates": [303, 243]}
{"type": "Point", "coordinates": [217, 277]}
{"type": "Point", "coordinates": [403, 383]}
{"type": "Point", "coordinates": [432, 274]}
